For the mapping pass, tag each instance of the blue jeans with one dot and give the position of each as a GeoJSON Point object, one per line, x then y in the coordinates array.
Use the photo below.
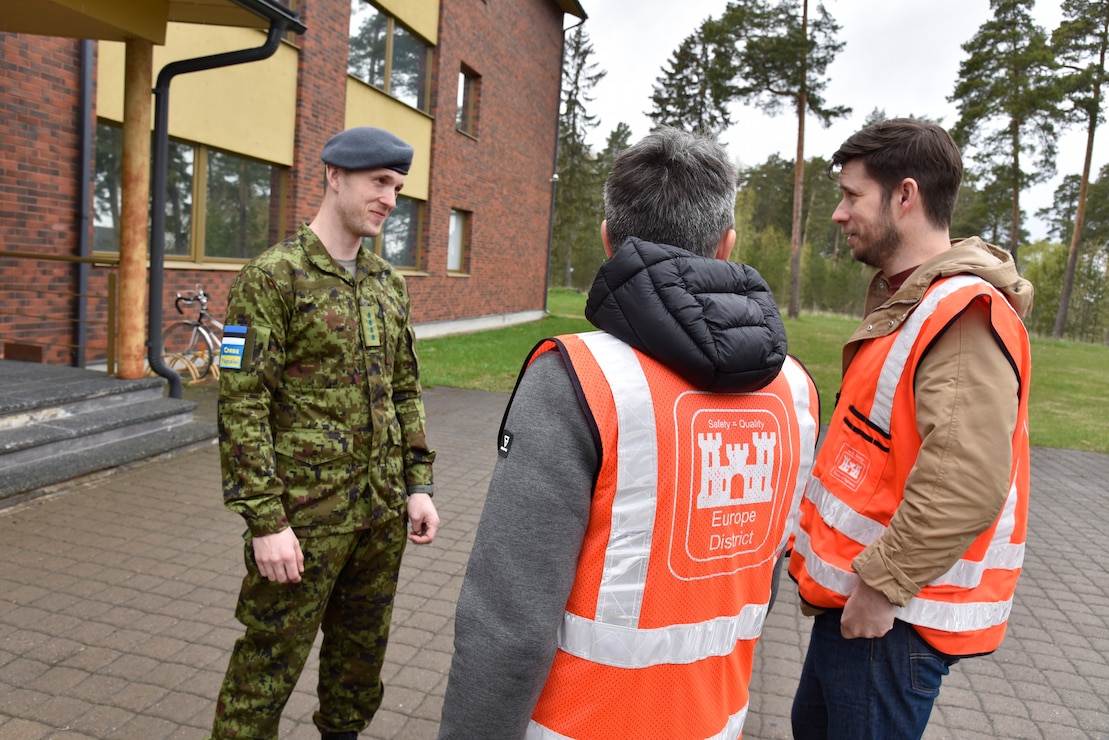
{"type": "Point", "coordinates": [876, 689]}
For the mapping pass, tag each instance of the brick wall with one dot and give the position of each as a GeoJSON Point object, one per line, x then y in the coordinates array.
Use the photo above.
{"type": "Point", "coordinates": [39, 175]}
{"type": "Point", "coordinates": [321, 102]}
{"type": "Point", "coordinates": [503, 175]}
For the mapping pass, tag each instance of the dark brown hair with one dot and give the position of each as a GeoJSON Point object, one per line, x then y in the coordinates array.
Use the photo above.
{"type": "Point", "coordinates": [907, 147]}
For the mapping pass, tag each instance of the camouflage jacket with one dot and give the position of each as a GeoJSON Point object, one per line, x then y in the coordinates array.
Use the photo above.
{"type": "Point", "coordinates": [322, 426]}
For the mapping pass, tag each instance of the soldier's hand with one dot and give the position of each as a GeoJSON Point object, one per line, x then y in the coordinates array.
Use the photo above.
{"type": "Point", "coordinates": [278, 556]}
{"type": "Point", "coordinates": [422, 518]}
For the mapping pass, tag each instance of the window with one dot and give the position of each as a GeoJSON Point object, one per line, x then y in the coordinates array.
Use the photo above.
{"type": "Point", "coordinates": [388, 56]}
{"type": "Point", "coordinates": [218, 205]}
{"type": "Point", "coordinates": [237, 214]}
{"type": "Point", "coordinates": [369, 41]}
{"type": "Point", "coordinates": [468, 87]}
{"type": "Point", "coordinates": [458, 241]}
{"type": "Point", "coordinates": [107, 188]}
{"type": "Point", "coordinates": [179, 199]}
{"type": "Point", "coordinates": [400, 237]}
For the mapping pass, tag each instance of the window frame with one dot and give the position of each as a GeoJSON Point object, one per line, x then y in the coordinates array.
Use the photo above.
{"type": "Point", "coordinates": [463, 241]}
{"type": "Point", "coordinates": [468, 99]}
{"type": "Point", "coordinates": [423, 95]}
{"type": "Point", "coordinates": [198, 205]}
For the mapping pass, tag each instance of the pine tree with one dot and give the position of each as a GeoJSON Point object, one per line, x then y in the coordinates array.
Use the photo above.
{"type": "Point", "coordinates": [780, 56]}
{"type": "Point", "coordinates": [577, 187]}
{"type": "Point", "coordinates": [694, 90]}
{"type": "Point", "coordinates": [1006, 100]}
{"type": "Point", "coordinates": [1080, 44]}
{"type": "Point", "coordinates": [1089, 286]}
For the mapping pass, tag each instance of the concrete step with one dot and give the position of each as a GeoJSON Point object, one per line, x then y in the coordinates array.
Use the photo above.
{"type": "Point", "coordinates": [69, 432]}
{"type": "Point", "coordinates": [31, 393]}
{"type": "Point", "coordinates": [21, 483]}
{"type": "Point", "coordinates": [58, 424]}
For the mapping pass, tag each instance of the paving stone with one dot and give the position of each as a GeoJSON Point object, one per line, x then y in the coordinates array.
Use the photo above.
{"type": "Point", "coordinates": [117, 619]}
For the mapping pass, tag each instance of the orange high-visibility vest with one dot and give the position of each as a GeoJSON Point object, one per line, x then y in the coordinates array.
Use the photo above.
{"type": "Point", "coordinates": [858, 480]}
{"type": "Point", "coordinates": [688, 516]}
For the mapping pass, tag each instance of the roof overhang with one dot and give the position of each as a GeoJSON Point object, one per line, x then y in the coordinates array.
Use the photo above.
{"type": "Point", "coordinates": [120, 20]}
{"type": "Point", "coordinates": [573, 7]}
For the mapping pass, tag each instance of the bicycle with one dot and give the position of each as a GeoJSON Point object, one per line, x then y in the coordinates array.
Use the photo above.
{"type": "Point", "coordinates": [192, 345]}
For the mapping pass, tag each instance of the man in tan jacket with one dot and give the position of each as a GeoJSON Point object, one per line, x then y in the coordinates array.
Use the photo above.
{"type": "Point", "coordinates": [913, 523]}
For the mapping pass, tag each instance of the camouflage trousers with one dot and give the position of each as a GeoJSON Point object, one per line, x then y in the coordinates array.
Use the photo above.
{"type": "Point", "coordinates": [347, 589]}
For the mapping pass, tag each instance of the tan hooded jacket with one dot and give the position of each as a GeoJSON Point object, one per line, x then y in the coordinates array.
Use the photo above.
{"type": "Point", "coordinates": [966, 394]}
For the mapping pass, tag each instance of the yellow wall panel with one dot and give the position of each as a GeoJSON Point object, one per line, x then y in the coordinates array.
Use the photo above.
{"type": "Point", "coordinates": [248, 109]}
{"type": "Point", "coordinates": [368, 106]}
{"type": "Point", "coordinates": [109, 80]}
{"type": "Point", "coordinates": [422, 16]}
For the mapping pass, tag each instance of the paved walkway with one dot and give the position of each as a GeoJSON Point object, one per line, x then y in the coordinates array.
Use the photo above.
{"type": "Point", "coordinates": [117, 594]}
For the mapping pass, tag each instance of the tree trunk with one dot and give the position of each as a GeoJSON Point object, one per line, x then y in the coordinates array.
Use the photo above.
{"type": "Point", "coordinates": [798, 197]}
{"type": "Point", "coordinates": [798, 183]}
{"type": "Point", "coordinates": [1014, 218]}
{"type": "Point", "coordinates": [1076, 236]}
{"type": "Point", "coordinates": [1080, 211]}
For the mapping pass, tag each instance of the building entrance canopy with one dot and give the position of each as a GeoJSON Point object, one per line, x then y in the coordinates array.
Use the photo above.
{"type": "Point", "coordinates": [115, 20]}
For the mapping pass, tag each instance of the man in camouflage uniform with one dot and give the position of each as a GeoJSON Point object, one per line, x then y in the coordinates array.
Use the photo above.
{"type": "Point", "coordinates": [322, 446]}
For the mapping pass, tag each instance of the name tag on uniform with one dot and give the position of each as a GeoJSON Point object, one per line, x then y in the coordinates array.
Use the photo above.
{"type": "Point", "coordinates": [231, 349]}
{"type": "Point", "coordinates": [370, 333]}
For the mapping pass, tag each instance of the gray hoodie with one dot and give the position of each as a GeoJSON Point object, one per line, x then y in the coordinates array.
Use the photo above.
{"type": "Point", "coordinates": [713, 322]}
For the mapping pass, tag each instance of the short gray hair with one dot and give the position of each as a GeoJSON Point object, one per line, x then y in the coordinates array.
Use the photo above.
{"type": "Point", "coordinates": [674, 188]}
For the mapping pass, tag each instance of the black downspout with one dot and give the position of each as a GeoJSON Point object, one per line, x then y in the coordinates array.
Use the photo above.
{"type": "Point", "coordinates": [84, 201]}
{"type": "Point", "coordinates": [158, 184]}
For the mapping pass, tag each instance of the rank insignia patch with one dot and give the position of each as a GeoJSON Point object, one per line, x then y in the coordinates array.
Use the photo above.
{"type": "Point", "coordinates": [369, 325]}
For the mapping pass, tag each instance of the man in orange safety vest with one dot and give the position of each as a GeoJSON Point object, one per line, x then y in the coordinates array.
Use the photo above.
{"type": "Point", "coordinates": [624, 561]}
{"type": "Point", "coordinates": [913, 524]}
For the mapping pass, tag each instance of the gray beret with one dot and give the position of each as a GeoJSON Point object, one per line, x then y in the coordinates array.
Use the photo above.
{"type": "Point", "coordinates": [367, 148]}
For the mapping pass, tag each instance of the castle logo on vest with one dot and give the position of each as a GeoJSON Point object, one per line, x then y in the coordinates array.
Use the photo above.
{"type": "Point", "coordinates": [733, 460]}
{"type": "Point", "coordinates": [850, 467]}
{"type": "Point", "coordinates": [750, 462]}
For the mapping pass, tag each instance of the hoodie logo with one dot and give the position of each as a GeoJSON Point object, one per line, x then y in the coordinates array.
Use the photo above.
{"type": "Point", "coordinates": [505, 443]}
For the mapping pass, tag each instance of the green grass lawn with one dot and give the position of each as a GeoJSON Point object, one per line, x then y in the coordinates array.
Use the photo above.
{"type": "Point", "coordinates": [1068, 406]}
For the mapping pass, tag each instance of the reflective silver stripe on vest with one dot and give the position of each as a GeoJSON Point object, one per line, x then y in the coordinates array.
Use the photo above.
{"type": "Point", "coordinates": [734, 727]}
{"type": "Point", "coordinates": [537, 731]}
{"type": "Point", "coordinates": [624, 647]}
{"type": "Point", "coordinates": [828, 576]}
{"type": "Point", "coordinates": [907, 335]}
{"type": "Point", "coordinates": [798, 381]}
{"type": "Point", "coordinates": [1001, 554]}
{"type": "Point", "coordinates": [633, 506]}
{"type": "Point", "coordinates": [940, 615]}
{"type": "Point", "coordinates": [841, 517]}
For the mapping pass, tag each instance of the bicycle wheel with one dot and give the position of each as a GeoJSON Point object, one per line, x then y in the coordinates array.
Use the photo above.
{"type": "Point", "coordinates": [206, 351]}
{"type": "Point", "coordinates": [184, 350]}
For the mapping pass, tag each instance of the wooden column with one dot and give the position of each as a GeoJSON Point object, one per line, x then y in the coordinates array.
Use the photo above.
{"type": "Point", "coordinates": [134, 244]}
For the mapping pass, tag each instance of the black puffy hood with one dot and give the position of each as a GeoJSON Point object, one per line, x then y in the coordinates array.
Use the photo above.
{"type": "Point", "coordinates": [715, 323]}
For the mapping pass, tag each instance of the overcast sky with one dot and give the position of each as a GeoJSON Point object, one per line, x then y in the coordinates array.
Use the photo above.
{"type": "Point", "coordinates": [901, 56]}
